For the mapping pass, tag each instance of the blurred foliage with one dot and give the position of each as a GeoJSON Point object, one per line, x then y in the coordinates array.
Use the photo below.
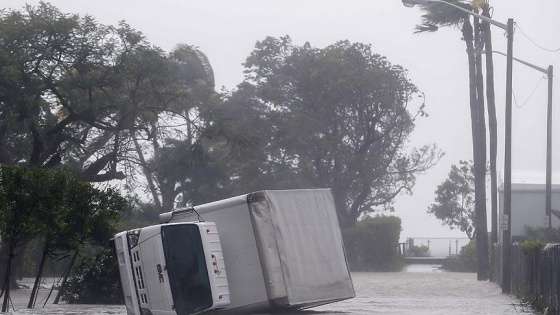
{"type": "Point", "coordinates": [54, 267]}
{"type": "Point", "coordinates": [95, 280]}
{"type": "Point", "coordinates": [467, 257]}
{"type": "Point", "coordinates": [54, 208]}
{"type": "Point", "coordinates": [138, 214]}
{"type": "Point", "coordinates": [529, 247]}
{"type": "Point", "coordinates": [465, 262]}
{"type": "Point", "coordinates": [372, 244]}
{"type": "Point", "coordinates": [419, 251]}
{"type": "Point", "coordinates": [541, 234]}
{"type": "Point", "coordinates": [538, 237]}
{"type": "Point", "coordinates": [455, 199]}
{"type": "Point", "coordinates": [336, 117]}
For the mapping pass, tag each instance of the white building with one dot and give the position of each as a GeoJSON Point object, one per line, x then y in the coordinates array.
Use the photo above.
{"type": "Point", "coordinates": [528, 207]}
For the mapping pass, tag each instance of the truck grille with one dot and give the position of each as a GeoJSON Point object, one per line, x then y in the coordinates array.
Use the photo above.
{"type": "Point", "coordinates": [139, 277]}
{"type": "Point", "coordinates": [143, 298]}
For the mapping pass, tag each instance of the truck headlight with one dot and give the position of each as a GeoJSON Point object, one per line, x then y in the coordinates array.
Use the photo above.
{"type": "Point", "coordinates": [133, 237]}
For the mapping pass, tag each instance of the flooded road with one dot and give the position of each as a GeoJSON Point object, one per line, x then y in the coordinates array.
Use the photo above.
{"type": "Point", "coordinates": [418, 290]}
{"type": "Point", "coordinates": [426, 290]}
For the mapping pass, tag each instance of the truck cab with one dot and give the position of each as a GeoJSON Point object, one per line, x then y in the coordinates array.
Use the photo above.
{"type": "Point", "coordinates": [174, 268]}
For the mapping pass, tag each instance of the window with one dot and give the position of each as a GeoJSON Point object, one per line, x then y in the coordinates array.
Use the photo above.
{"type": "Point", "coordinates": [186, 268]}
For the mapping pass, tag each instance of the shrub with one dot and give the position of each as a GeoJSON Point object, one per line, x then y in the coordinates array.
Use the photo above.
{"type": "Point", "coordinates": [465, 262]}
{"type": "Point", "coordinates": [543, 235]}
{"type": "Point", "coordinates": [532, 247]}
{"type": "Point", "coordinates": [95, 280]}
{"type": "Point", "coordinates": [372, 244]}
{"type": "Point", "coordinates": [419, 251]}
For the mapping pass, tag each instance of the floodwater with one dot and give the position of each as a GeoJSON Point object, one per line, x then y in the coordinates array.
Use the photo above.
{"type": "Point", "coordinates": [418, 290]}
{"type": "Point", "coordinates": [426, 290]}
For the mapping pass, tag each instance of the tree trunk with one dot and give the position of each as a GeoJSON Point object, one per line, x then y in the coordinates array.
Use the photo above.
{"type": "Point", "coordinates": [4, 256]}
{"type": "Point", "coordinates": [147, 173]}
{"type": "Point", "coordinates": [168, 194]}
{"type": "Point", "coordinates": [17, 264]}
{"type": "Point", "coordinates": [347, 215]}
{"type": "Point", "coordinates": [6, 288]}
{"type": "Point", "coordinates": [35, 289]}
{"type": "Point", "coordinates": [65, 277]}
{"type": "Point", "coordinates": [493, 133]}
{"type": "Point", "coordinates": [475, 126]}
{"type": "Point", "coordinates": [481, 215]}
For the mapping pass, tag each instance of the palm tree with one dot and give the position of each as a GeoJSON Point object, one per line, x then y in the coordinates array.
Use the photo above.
{"type": "Point", "coordinates": [439, 15]}
{"type": "Point", "coordinates": [492, 129]}
{"type": "Point", "coordinates": [197, 82]}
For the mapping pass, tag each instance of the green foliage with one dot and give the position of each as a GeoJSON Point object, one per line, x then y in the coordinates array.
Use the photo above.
{"type": "Point", "coordinates": [465, 262]}
{"type": "Point", "coordinates": [372, 245]}
{"type": "Point", "coordinates": [543, 235]}
{"type": "Point", "coordinates": [95, 280]}
{"type": "Point", "coordinates": [455, 199]}
{"type": "Point", "coordinates": [179, 143]}
{"type": "Point", "coordinates": [76, 92]}
{"type": "Point", "coordinates": [441, 15]}
{"type": "Point", "coordinates": [54, 266]}
{"type": "Point", "coordinates": [419, 251]}
{"type": "Point", "coordinates": [188, 170]}
{"type": "Point", "coordinates": [53, 204]}
{"type": "Point", "coordinates": [54, 207]}
{"type": "Point", "coordinates": [27, 198]}
{"type": "Point", "coordinates": [468, 257]}
{"type": "Point", "coordinates": [334, 117]}
{"type": "Point", "coordinates": [531, 247]}
{"type": "Point", "coordinates": [77, 95]}
{"type": "Point", "coordinates": [137, 215]}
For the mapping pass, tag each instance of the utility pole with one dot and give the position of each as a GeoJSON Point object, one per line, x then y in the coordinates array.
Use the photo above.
{"type": "Point", "coordinates": [548, 210]}
{"type": "Point", "coordinates": [548, 196]}
{"type": "Point", "coordinates": [506, 236]}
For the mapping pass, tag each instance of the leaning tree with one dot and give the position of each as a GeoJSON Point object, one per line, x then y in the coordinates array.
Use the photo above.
{"type": "Point", "coordinates": [99, 100]}
{"type": "Point", "coordinates": [170, 148]}
{"type": "Point", "coordinates": [437, 15]}
{"type": "Point", "coordinates": [75, 93]}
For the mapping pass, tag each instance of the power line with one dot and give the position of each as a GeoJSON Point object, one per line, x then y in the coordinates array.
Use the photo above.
{"type": "Point", "coordinates": [530, 95]}
{"type": "Point", "coordinates": [533, 42]}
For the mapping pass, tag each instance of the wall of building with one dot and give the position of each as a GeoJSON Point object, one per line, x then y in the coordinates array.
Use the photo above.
{"type": "Point", "coordinates": [528, 207]}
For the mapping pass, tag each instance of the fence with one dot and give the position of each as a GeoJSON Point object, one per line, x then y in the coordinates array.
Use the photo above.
{"type": "Point", "coordinates": [535, 275]}
{"type": "Point", "coordinates": [436, 246]}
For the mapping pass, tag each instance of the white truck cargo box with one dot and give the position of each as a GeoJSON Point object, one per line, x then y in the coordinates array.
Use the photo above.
{"type": "Point", "coordinates": [282, 249]}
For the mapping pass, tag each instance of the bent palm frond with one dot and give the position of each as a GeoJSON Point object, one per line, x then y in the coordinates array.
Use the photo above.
{"type": "Point", "coordinates": [441, 15]}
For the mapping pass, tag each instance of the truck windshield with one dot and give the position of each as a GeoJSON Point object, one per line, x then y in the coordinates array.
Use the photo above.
{"type": "Point", "coordinates": [186, 268]}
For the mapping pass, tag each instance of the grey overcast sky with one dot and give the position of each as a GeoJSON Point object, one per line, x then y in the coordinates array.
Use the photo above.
{"type": "Point", "coordinates": [226, 31]}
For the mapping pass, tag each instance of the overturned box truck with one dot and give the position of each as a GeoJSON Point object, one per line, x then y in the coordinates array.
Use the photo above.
{"type": "Point", "coordinates": [266, 251]}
